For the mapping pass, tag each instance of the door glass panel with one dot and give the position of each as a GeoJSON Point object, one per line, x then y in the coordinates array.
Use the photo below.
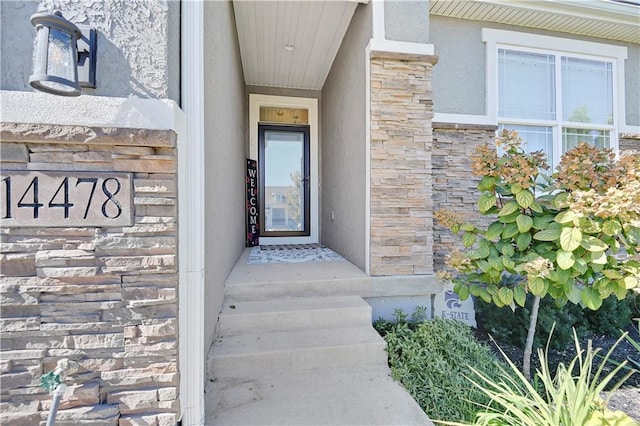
{"type": "Point", "coordinates": [284, 180]}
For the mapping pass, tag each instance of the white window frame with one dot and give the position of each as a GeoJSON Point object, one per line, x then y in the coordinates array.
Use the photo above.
{"type": "Point", "coordinates": [534, 43]}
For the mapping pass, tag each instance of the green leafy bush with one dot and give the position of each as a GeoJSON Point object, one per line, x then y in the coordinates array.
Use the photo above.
{"type": "Point", "coordinates": [431, 359]}
{"type": "Point", "coordinates": [509, 326]}
{"type": "Point", "coordinates": [614, 315]}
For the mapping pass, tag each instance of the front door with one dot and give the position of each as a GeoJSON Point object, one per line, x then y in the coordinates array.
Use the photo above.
{"type": "Point", "coordinates": [284, 162]}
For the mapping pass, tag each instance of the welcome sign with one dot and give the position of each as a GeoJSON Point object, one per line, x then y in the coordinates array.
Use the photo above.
{"type": "Point", "coordinates": [253, 224]}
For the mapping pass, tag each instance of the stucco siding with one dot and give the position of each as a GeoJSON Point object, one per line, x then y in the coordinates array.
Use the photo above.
{"type": "Point", "coordinates": [406, 20]}
{"type": "Point", "coordinates": [138, 42]}
{"type": "Point", "coordinates": [226, 135]}
{"type": "Point", "coordinates": [459, 79]}
{"type": "Point", "coordinates": [343, 144]}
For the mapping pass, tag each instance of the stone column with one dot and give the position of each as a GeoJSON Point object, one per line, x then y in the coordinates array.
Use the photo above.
{"type": "Point", "coordinates": [100, 294]}
{"type": "Point", "coordinates": [401, 178]}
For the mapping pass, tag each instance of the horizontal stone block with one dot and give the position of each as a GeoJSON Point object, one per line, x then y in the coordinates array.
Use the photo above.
{"type": "Point", "coordinates": [5, 365]}
{"type": "Point", "coordinates": [63, 272]}
{"type": "Point", "coordinates": [17, 407]}
{"type": "Point", "coordinates": [167, 293]}
{"type": "Point", "coordinates": [9, 325]}
{"type": "Point", "coordinates": [18, 311]}
{"type": "Point", "coordinates": [167, 419]}
{"type": "Point", "coordinates": [162, 211]}
{"type": "Point", "coordinates": [51, 157]}
{"type": "Point", "coordinates": [18, 264]}
{"type": "Point", "coordinates": [18, 380]}
{"type": "Point", "coordinates": [72, 324]}
{"type": "Point", "coordinates": [156, 280]}
{"type": "Point", "coordinates": [154, 201]}
{"type": "Point", "coordinates": [13, 153]}
{"type": "Point", "coordinates": [151, 229]}
{"type": "Point", "coordinates": [133, 398]}
{"type": "Point", "coordinates": [92, 296]}
{"type": "Point", "coordinates": [149, 346]}
{"type": "Point", "coordinates": [79, 395]}
{"type": "Point", "coordinates": [160, 329]}
{"type": "Point", "coordinates": [154, 219]}
{"type": "Point", "coordinates": [151, 164]}
{"type": "Point", "coordinates": [133, 244]}
{"type": "Point", "coordinates": [131, 332]}
{"type": "Point", "coordinates": [124, 264]}
{"type": "Point", "coordinates": [106, 363]}
{"type": "Point", "coordinates": [139, 420]}
{"type": "Point", "coordinates": [165, 374]}
{"type": "Point", "coordinates": [96, 341]}
{"type": "Point", "coordinates": [168, 394]}
{"type": "Point", "coordinates": [64, 258]}
{"type": "Point", "coordinates": [140, 293]}
{"type": "Point", "coordinates": [34, 354]}
{"type": "Point", "coordinates": [17, 299]}
{"type": "Point", "coordinates": [104, 414]}
{"type": "Point", "coordinates": [154, 186]}
{"type": "Point", "coordinates": [20, 418]}
{"type": "Point", "coordinates": [85, 307]}
{"type": "Point", "coordinates": [92, 157]}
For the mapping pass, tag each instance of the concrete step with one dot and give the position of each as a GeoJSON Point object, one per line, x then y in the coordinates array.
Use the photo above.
{"type": "Point", "coordinates": [254, 355]}
{"type": "Point", "coordinates": [270, 281]}
{"type": "Point", "coordinates": [361, 395]}
{"type": "Point", "coordinates": [303, 287]}
{"type": "Point", "coordinates": [244, 317]}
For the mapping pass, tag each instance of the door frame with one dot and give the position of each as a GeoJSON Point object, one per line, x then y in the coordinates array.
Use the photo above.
{"type": "Point", "coordinates": [311, 105]}
{"type": "Point", "coordinates": [304, 129]}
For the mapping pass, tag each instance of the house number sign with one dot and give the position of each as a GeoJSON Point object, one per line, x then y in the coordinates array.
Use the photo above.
{"type": "Point", "coordinates": [65, 199]}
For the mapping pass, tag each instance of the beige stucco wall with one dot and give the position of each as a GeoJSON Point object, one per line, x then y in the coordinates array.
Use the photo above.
{"type": "Point", "coordinates": [138, 44]}
{"type": "Point", "coordinates": [226, 148]}
{"type": "Point", "coordinates": [343, 143]}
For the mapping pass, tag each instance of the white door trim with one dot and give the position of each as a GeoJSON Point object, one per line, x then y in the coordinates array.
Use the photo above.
{"type": "Point", "coordinates": [310, 104]}
{"type": "Point", "coordinates": [191, 217]}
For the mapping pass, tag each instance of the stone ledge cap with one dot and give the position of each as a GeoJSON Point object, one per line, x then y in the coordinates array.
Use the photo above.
{"type": "Point", "coordinates": [68, 134]}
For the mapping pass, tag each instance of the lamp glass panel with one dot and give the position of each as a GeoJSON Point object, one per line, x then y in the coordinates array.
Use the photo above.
{"type": "Point", "coordinates": [60, 60]}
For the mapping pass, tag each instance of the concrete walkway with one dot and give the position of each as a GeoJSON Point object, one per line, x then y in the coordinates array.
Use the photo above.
{"type": "Point", "coordinates": [294, 350]}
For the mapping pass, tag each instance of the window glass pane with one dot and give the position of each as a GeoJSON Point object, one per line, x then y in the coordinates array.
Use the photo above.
{"type": "Point", "coordinates": [587, 91]}
{"type": "Point", "coordinates": [572, 137]}
{"type": "Point", "coordinates": [536, 138]}
{"type": "Point", "coordinates": [526, 85]}
{"type": "Point", "coordinates": [284, 115]}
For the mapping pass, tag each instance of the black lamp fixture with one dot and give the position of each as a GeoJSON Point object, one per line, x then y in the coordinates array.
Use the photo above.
{"type": "Point", "coordinates": [64, 57]}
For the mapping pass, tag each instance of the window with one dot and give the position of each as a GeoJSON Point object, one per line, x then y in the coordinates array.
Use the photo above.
{"type": "Point", "coordinates": [555, 92]}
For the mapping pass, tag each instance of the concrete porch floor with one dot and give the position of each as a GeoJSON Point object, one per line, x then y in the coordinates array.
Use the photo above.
{"type": "Point", "coordinates": [255, 282]}
{"type": "Point", "coordinates": [295, 320]}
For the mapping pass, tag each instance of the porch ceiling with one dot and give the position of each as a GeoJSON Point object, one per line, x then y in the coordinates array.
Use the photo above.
{"type": "Point", "coordinates": [610, 19]}
{"type": "Point", "coordinates": [290, 43]}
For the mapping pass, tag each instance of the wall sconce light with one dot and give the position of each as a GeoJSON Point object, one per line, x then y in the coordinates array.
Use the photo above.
{"type": "Point", "coordinates": [64, 55]}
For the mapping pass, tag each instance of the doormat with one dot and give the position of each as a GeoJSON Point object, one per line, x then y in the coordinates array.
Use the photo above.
{"type": "Point", "coordinates": [292, 253]}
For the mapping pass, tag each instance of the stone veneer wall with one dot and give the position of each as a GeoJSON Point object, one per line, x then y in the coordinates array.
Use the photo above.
{"type": "Point", "coordinates": [629, 141]}
{"type": "Point", "coordinates": [401, 176]}
{"type": "Point", "coordinates": [104, 297]}
{"type": "Point", "coordinates": [454, 187]}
